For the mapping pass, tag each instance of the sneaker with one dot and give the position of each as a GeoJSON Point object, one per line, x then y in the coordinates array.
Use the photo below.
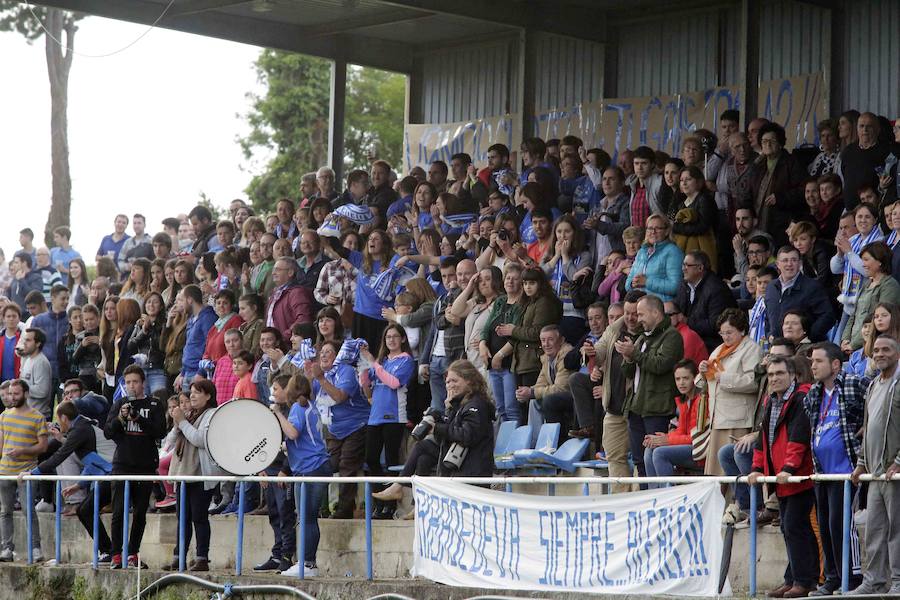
{"type": "Point", "coordinates": [895, 590]}
{"type": "Point", "coordinates": [37, 556]}
{"type": "Point", "coordinates": [826, 589]}
{"type": "Point", "coordinates": [166, 503]}
{"type": "Point", "coordinates": [865, 589]}
{"type": "Point", "coordinates": [269, 565]}
{"type": "Point", "coordinates": [116, 562]}
{"type": "Point", "coordinates": [133, 562]}
{"type": "Point", "coordinates": [44, 507]}
{"type": "Point", "coordinates": [7, 555]}
{"type": "Point", "coordinates": [284, 564]}
{"type": "Point", "coordinates": [310, 569]}
{"type": "Point", "coordinates": [104, 558]}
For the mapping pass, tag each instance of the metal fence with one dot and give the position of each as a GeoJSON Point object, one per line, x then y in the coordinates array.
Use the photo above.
{"type": "Point", "coordinates": [507, 482]}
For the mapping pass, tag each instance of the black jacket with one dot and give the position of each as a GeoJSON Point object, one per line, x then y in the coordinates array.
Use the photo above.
{"type": "Point", "coordinates": [86, 359]}
{"type": "Point", "coordinates": [80, 439]}
{"type": "Point", "coordinates": [807, 295]}
{"type": "Point", "coordinates": [817, 264]}
{"type": "Point", "coordinates": [787, 186]}
{"type": "Point", "coordinates": [858, 169]}
{"type": "Point", "coordinates": [471, 425]}
{"type": "Point", "coordinates": [148, 343]}
{"type": "Point", "coordinates": [136, 450]}
{"type": "Point", "coordinates": [201, 246]}
{"type": "Point", "coordinates": [711, 297]}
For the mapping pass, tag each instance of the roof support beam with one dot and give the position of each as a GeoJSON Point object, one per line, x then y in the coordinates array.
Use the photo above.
{"type": "Point", "coordinates": [549, 17]}
{"type": "Point", "coordinates": [337, 111]}
{"type": "Point", "coordinates": [192, 7]}
{"type": "Point", "coordinates": [386, 17]}
{"type": "Point", "coordinates": [749, 64]}
{"type": "Point", "coordinates": [356, 49]}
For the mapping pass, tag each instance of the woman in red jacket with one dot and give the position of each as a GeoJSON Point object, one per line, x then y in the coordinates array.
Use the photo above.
{"type": "Point", "coordinates": [227, 319]}
{"type": "Point", "coordinates": [665, 451]}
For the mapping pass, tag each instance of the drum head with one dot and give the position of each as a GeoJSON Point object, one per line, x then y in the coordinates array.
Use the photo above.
{"type": "Point", "coordinates": [243, 437]}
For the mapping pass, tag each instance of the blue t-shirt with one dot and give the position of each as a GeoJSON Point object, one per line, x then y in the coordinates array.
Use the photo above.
{"type": "Point", "coordinates": [58, 256]}
{"type": "Point", "coordinates": [9, 358]}
{"type": "Point", "coordinates": [828, 444]}
{"type": "Point", "coordinates": [351, 414]}
{"type": "Point", "coordinates": [399, 207]}
{"type": "Point", "coordinates": [425, 220]}
{"type": "Point", "coordinates": [111, 248]}
{"type": "Point", "coordinates": [389, 406]}
{"type": "Point", "coordinates": [526, 229]}
{"type": "Point", "coordinates": [367, 301]}
{"type": "Point", "coordinates": [307, 453]}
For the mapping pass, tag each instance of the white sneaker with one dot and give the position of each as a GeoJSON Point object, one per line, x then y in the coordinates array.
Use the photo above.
{"type": "Point", "coordinates": [44, 507]}
{"type": "Point", "coordinates": [37, 556]}
{"type": "Point", "coordinates": [7, 555]}
{"type": "Point", "coordinates": [309, 570]}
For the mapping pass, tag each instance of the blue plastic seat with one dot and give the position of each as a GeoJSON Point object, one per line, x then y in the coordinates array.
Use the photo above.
{"type": "Point", "coordinates": [563, 458]}
{"type": "Point", "coordinates": [547, 439]}
{"type": "Point", "coordinates": [519, 440]}
{"type": "Point", "coordinates": [504, 432]}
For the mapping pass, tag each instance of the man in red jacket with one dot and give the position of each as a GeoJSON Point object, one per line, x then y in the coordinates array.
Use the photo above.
{"type": "Point", "coordinates": [783, 449]}
{"type": "Point", "coordinates": [289, 303]}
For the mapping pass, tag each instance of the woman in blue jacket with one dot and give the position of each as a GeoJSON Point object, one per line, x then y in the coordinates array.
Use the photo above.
{"type": "Point", "coordinates": [657, 266]}
{"type": "Point", "coordinates": [367, 306]}
{"type": "Point", "coordinates": [387, 379]}
{"type": "Point", "coordinates": [344, 412]}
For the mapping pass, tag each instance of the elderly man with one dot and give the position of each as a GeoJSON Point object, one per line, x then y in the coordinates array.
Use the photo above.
{"type": "Point", "coordinates": [859, 160]}
{"type": "Point", "coordinates": [650, 363]}
{"type": "Point", "coordinates": [549, 399]}
{"type": "Point", "coordinates": [325, 183]}
{"type": "Point", "coordinates": [581, 360]}
{"type": "Point", "coordinates": [794, 290]}
{"type": "Point", "coordinates": [289, 303]}
{"type": "Point", "coordinates": [880, 455]}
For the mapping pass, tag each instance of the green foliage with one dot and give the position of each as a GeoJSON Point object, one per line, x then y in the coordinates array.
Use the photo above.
{"type": "Point", "coordinates": [289, 122]}
{"type": "Point", "coordinates": [375, 106]}
{"type": "Point", "coordinates": [15, 16]}
{"type": "Point", "coordinates": [217, 212]}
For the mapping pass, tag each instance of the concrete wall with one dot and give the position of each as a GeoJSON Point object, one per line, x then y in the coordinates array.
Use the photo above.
{"type": "Point", "coordinates": [343, 546]}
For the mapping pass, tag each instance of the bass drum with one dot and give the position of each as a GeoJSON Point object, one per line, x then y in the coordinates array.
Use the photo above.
{"type": "Point", "coordinates": [243, 437]}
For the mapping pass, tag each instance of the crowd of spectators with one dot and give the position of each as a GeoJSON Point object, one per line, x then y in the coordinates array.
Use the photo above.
{"type": "Point", "coordinates": [729, 311]}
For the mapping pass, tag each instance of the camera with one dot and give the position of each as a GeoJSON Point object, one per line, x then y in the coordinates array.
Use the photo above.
{"type": "Point", "coordinates": [454, 458]}
{"type": "Point", "coordinates": [502, 234]}
{"type": "Point", "coordinates": [424, 426]}
{"type": "Point", "coordinates": [133, 412]}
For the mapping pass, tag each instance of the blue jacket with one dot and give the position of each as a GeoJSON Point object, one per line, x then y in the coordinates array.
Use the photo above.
{"type": "Point", "coordinates": [19, 288]}
{"type": "Point", "coordinates": [663, 269]}
{"type": "Point", "coordinates": [195, 340]}
{"type": "Point", "coordinates": [806, 295]}
{"type": "Point", "coordinates": [54, 326]}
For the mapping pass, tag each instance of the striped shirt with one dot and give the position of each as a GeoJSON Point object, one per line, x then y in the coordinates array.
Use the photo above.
{"type": "Point", "coordinates": [20, 431]}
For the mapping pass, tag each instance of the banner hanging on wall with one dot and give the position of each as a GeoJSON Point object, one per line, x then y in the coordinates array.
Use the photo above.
{"type": "Point", "coordinates": [424, 144]}
{"type": "Point", "coordinates": [665, 541]}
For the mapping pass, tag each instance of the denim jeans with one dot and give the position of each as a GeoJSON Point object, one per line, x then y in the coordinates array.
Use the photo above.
{"type": "Point", "coordinates": [155, 380]}
{"type": "Point", "coordinates": [638, 427]}
{"type": "Point", "coordinates": [7, 503]}
{"type": "Point", "coordinates": [282, 519]}
{"type": "Point", "coordinates": [314, 494]}
{"type": "Point", "coordinates": [661, 461]}
{"type": "Point", "coordinates": [503, 386]}
{"type": "Point", "coordinates": [437, 369]}
{"type": "Point", "coordinates": [736, 463]}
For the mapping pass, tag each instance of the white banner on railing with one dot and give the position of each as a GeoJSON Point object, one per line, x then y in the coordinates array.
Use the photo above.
{"type": "Point", "coordinates": [665, 541]}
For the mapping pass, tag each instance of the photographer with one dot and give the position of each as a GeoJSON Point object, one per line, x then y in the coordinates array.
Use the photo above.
{"type": "Point", "coordinates": [462, 444]}
{"type": "Point", "coordinates": [135, 423]}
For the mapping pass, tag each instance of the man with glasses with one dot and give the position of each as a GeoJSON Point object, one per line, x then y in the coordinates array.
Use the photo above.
{"type": "Point", "coordinates": [793, 290]}
{"type": "Point", "coordinates": [702, 297]}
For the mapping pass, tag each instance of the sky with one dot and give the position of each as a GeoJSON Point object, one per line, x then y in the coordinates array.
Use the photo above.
{"type": "Point", "coordinates": [149, 128]}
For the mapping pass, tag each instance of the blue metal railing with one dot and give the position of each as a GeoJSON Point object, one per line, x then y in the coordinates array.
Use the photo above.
{"type": "Point", "coordinates": [301, 505]}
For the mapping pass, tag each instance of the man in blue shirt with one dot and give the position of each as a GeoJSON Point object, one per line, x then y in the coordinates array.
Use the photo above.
{"type": "Point", "coordinates": [834, 405]}
{"type": "Point", "coordinates": [63, 253]}
{"type": "Point", "coordinates": [112, 244]}
{"type": "Point", "coordinates": [202, 318]}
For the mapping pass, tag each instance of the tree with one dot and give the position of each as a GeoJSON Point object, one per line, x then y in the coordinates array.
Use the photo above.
{"type": "Point", "coordinates": [27, 21]}
{"type": "Point", "coordinates": [375, 107]}
{"type": "Point", "coordinates": [291, 120]}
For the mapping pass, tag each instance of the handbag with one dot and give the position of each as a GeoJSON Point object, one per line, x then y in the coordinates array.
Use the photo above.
{"type": "Point", "coordinates": [581, 292]}
{"type": "Point", "coordinates": [700, 432]}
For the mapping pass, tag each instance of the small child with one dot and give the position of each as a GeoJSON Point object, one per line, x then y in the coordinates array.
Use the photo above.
{"type": "Point", "coordinates": [242, 366]}
{"type": "Point", "coordinates": [403, 305]}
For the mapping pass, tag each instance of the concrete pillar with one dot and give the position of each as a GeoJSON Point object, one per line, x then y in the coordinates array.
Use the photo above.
{"type": "Point", "coordinates": [749, 66]}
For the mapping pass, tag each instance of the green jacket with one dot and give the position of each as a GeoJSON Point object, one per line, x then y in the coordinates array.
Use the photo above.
{"type": "Point", "coordinates": [526, 339]}
{"type": "Point", "coordinates": [886, 291]}
{"type": "Point", "coordinates": [656, 353]}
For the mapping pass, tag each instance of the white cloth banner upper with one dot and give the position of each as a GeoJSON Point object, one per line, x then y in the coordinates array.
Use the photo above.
{"type": "Point", "coordinates": [664, 541]}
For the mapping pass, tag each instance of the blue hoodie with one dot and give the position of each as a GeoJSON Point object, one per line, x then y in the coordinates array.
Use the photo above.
{"type": "Point", "coordinates": [195, 341]}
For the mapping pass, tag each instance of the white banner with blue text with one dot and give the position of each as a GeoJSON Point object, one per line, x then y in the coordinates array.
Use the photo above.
{"type": "Point", "coordinates": [664, 541]}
